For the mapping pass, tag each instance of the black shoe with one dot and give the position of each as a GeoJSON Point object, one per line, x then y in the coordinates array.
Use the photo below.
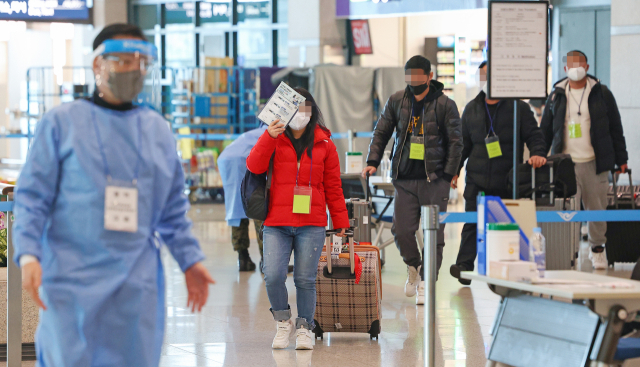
{"type": "Point", "coordinates": [455, 270]}
{"type": "Point", "coordinates": [244, 261]}
{"type": "Point", "coordinates": [290, 269]}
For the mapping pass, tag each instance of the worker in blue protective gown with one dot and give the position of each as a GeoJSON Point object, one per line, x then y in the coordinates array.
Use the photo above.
{"type": "Point", "coordinates": [101, 190]}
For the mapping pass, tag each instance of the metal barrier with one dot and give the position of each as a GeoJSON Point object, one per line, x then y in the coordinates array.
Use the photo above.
{"type": "Point", "coordinates": [430, 225]}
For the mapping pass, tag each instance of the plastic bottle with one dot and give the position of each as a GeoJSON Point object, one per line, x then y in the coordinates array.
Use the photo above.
{"type": "Point", "coordinates": [385, 166]}
{"type": "Point", "coordinates": [537, 251]}
{"type": "Point", "coordinates": [584, 263]}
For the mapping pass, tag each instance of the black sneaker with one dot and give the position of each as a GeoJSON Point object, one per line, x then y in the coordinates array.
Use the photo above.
{"type": "Point", "coordinates": [244, 261]}
{"type": "Point", "coordinates": [455, 270]}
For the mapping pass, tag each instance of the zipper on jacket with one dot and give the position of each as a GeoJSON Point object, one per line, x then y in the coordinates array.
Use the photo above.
{"type": "Point", "coordinates": [403, 142]}
{"type": "Point", "coordinates": [424, 135]}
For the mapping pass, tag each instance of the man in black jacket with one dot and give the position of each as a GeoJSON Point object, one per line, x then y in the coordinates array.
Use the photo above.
{"type": "Point", "coordinates": [581, 118]}
{"type": "Point", "coordinates": [485, 123]}
{"type": "Point", "coordinates": [426, 156]}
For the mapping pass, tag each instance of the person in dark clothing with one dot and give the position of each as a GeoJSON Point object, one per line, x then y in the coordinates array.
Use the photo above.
{"type": "Point", "coordinates": [488, 120]}
{"type": "Point", "coordinates": [582, 120]}
{"type": "Point", "coordinates": [426, 156]}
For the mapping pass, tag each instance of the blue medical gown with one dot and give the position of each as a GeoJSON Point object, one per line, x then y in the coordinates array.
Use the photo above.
{"type": "Point", "coordinates": [232, 165]}
{"type": "Point", "coordinates": [104, 290]}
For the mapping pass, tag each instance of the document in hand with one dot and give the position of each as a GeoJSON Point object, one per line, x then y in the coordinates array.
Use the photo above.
{"type": "Point", "coordinates": [282, 105]}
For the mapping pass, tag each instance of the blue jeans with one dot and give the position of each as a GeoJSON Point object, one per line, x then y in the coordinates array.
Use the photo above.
{"type": "Point", "coordinates": [307, 244]}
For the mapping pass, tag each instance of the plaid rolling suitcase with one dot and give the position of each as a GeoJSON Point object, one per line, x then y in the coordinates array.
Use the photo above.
{"type": "Point", "coordinates": [623, 238]}
{"type": "Point", "coordinates": [341, 304]}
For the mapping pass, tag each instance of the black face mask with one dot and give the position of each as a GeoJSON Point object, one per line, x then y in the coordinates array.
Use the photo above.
{"type": "Point", "coordinates": [418, 89]}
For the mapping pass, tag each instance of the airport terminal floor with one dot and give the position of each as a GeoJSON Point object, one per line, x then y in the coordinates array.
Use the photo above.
{"type": "Point", "coordinates": [235, 329]}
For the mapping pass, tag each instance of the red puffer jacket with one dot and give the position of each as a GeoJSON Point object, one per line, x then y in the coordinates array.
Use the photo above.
{"type": "Point", "coordinates": [325, 183]}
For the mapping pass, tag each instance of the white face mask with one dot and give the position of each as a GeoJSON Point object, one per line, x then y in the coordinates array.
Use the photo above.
{"type": "Point", "coordinates": [300, 121]}
{"type": "Point", "coordinates": [576, 74]}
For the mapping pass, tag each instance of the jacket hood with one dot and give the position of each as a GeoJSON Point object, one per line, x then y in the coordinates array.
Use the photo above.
{"type": "Point", "coordinates": [562, 83]}
{"type": "Point", "coordinates": [437, 87]}
{"type": "Point", "coordinates": [320, 134]}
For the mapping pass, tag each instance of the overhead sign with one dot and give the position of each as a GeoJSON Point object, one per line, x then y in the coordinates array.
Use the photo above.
{"type": "Point", "coordinates": [518, 49]}
{"type": "Point", "coordinates": [44, 10]}
{"type": "Point", "coordinates": [361, 37]}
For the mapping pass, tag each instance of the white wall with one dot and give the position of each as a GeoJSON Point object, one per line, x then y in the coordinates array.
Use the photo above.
{"type": "Point", "coordinates": [386, 41]}
{"type": "Point", "coordinates": [625, 38]}
{"type": "Point", "coordinates": [304, 32]}
{"type": "Point", "coordinates": [470, 23]}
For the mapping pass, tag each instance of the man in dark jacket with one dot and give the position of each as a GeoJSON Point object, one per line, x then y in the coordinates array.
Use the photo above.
{"type": "Point", "coordinates": [581, 118]}
{"type": "Point", "coordinates": [426, 156]}
{"type": "Point", "coordinates": [490, 120]}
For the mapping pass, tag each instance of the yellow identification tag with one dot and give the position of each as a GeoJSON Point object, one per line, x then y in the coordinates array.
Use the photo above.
{"type": "Point", "coordinates": [302, 200]}
{"type": "Point", "coordinates": [575, 130]}
{"type": "Point", "coordinates": [417, 148]}
{"type": "Point", "coordinates": [493, 147]}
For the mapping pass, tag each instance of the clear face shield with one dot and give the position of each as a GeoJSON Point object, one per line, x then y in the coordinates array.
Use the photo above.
{"type": "Point", "coordinates": [128, 69]}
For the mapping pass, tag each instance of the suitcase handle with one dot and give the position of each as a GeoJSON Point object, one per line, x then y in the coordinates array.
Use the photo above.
{"type": "Point", "coordinates": [329, 243]}
{"type": "Point", "coordinates": [631, 188]}
{"type": "Point", "coordinates": [533, 182]}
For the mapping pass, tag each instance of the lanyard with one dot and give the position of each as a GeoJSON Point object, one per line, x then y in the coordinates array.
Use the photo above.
{"type": "Point", "coordinates": [574, 98]}
{"type": "Point", "coordinates": [107, 171]}
{"type": "Point", "coordinates": [310, 171]}
{"type": "Point", "coordinates": [414, 128]}
{"type": "Point", "coordinates": [491, 119]}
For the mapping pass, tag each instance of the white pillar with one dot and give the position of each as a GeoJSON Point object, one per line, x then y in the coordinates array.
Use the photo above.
{"type": "Point", "coordinates": [625, 38]}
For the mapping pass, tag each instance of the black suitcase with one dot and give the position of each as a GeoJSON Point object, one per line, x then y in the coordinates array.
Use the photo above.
{"type": "Point", "coordinates": [623, 238]}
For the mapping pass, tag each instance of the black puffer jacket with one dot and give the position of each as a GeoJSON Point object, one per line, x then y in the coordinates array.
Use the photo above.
{"type": "Point", "coordinates": [491, 174]}
{"type": "Point", "coordinates": [607, 137]}
{"type": "Point", "coordinates": [443, 146]}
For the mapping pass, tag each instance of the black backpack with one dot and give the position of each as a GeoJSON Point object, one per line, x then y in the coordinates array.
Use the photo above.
{"type": "Point", "coordinates": [563, 183]}
{"type": "Point", "coordinates": [254, 191]}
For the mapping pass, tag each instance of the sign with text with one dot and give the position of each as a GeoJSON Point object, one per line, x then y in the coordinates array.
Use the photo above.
{"type": "Point", "coordinates": [44, 10]}
{"type": "Point", "coordinates": [518, 49]}
{"type": "Point", "coordinates": [361, 37]}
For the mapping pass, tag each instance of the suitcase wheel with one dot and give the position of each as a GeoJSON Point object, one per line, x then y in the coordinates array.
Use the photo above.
{"type": "Point", "coordinates": [375, 330]}
{"type": "Point", "coordinates": [317, 330]}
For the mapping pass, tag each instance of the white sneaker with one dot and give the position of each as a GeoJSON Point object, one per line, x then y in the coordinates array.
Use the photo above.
{"type": "Point", "coordinates": [599, 260]}
{"type": "Point", "coordinates": [304, 339]}
{"type": "Point", "coordinates": [281, 340]}
{"type": "Point", "coordinates": [412, 281]}
{"type": "Point", "coordinates": [420, 294]}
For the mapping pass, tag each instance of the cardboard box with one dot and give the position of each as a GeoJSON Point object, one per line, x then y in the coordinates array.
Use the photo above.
{"type": "Point", "coordinates": [513, 270]}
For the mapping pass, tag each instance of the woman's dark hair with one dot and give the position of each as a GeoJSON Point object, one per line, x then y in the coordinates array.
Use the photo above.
{"type": "Point", "coordinates": [308, 137]}
{"type": "Point", "coordinates": [118, 29]}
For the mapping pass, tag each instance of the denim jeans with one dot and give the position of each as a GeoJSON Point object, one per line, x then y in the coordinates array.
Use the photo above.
{"type": "Point", "coordinates": [306, 243]}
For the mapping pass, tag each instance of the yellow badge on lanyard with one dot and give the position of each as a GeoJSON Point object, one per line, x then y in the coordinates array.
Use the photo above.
{"type": "Point", "coordinates": [575, 130]}
{"type": "Point", "coordinates": [302, 200]}
{"type": "Point", "coordinates": [417, 148]}
{"type": "Point", "coordinates": [493, 146]}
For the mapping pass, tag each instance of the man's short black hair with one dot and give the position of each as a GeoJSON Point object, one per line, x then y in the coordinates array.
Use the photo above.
{"type": "Point", "coordinates": [482, 64]}
{"type": "Point", "coordinates": [576, 53]}
{"type": "Point", "coordinates": [418, 62]}
{"type": "Point", "coordinates": [118, 29]}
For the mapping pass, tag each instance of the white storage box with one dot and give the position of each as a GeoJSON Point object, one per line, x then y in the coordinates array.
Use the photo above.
{"type": "Point", "coordinates": [513, 270]}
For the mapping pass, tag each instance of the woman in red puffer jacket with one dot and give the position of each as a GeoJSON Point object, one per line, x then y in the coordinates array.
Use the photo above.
{"type": "Point", "coordinates": [305, 180]}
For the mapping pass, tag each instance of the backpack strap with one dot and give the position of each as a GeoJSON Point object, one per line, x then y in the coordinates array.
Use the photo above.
{"type": "Point", "coordinates": [270, 172]}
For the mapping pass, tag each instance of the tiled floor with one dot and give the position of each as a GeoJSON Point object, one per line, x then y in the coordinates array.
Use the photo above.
{"type": "Point", "coordinates": [236, 327]}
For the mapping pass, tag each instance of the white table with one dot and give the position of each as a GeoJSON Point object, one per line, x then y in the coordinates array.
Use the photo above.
{"type": "Point", "coordinates": [614, 306]}
{"type": "Point", "coordinates": [378, 183]}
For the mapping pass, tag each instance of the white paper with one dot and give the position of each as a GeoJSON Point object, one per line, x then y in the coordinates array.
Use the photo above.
{"type": "Point", "coordinates": [282, 105]}
{"type": "Point", "coordinates": [518, 50]}
{"type": "Point", "coordinates": [121, 209]}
